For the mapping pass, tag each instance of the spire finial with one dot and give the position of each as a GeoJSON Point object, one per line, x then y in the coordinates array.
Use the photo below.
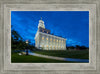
{"type": "Point", "coordinates": [41, 18]}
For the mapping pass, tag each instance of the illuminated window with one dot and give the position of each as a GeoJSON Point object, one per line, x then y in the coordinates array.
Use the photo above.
{"type": "Point", "coordinates": [57, 40]}
{"type": "Point", "coordinates": [47, 45]}
{"type": "Point", "coordinates": [50, 46]}
{"type": "Point", "coordinates": [54, 39]}
{"type": "Point", "coordinates": [50, 39]}
{"type": "Point", "coordinates": [42, 45]}
{"type": "Point", "coordinates": [42, 38]}
{"type": "Point", "coordinates": [54, 47]}
{"type": "Point", "coordinates": [47, 31]}
{"type": "Point", "coordinates": [47, 38]}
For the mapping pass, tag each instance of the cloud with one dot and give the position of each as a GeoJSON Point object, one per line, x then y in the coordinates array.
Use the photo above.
{"type": "Point", "coordinates": [72, 25]}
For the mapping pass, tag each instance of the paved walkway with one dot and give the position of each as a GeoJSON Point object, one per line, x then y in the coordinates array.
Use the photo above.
{"type": "Point", "coordinates": [59, 58]}
{"type": "Point", "coordinates": [46, 56]}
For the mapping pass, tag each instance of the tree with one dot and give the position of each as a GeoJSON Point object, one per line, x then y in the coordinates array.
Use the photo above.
{"type": "Point", "coordinates": [77, 47]}
{"type": "Point", "coordinates": [16, 40]}
{"type": "Point", "coordinates": [15, 35]}
{"type": "Point", "coordinates": [83, 48]}
{"type": "Point", "coordinates": [71, 47]}
{"type": "Point", "coordinates": [17, 43]}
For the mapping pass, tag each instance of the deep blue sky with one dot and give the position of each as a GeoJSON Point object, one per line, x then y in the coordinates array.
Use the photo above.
{"type": "Point", "coordinates": [73, 25]}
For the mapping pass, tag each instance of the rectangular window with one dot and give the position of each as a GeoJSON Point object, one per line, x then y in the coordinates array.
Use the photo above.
{"type": "Point", "coordinates": [47, 38]}
{"type": "Point", "coordinates": [50, 39]}
{"type": "Point", "coordinates": [42, 38]}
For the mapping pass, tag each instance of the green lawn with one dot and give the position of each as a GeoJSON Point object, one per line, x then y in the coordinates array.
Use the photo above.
{"type": "Point", "coordinates": [80, 54]}
{"type": "Point", "coordinates": [83, 54]}
{"type": "Point", "coordinates": [15, 58]}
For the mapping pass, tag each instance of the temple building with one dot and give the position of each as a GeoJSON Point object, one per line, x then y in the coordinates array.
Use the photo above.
{"type": "Point", "coordinates": [46, 41]}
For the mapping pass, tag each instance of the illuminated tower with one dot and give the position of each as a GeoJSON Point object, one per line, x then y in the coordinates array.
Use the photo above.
{"type": "Point", "coordinates": [41, 23]}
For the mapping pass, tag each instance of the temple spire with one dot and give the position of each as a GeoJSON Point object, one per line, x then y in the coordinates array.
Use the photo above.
{"type": "Point", "coordinates": [41, 23]}
{"type": "Point", "coordinates": [41, 18]}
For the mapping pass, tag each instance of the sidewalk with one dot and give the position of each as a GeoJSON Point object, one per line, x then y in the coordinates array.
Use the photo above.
{"type": "Point", "coordinates": [46, 56]}
{"type": "Point", "coordinates": [59, 58]}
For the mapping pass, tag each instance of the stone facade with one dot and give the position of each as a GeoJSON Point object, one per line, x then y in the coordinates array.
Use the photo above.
{"type": "Point", "coordinates": [45, 41]}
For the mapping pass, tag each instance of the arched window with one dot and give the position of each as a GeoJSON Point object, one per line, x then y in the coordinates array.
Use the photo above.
{"type": "Point", "coordinates": [42, 38]}
{"type": "Point", "coordinates": [57, 40]}
{"type": "Point", "coordinates": [50, 39]}
{"type": "Point", "coordinates": [47, 38]}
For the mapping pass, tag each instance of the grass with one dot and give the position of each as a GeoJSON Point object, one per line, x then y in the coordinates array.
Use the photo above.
{"type": "Point", "coordinates": [15, 58]}
{"type": "Point", "coordinates": [79, 54]}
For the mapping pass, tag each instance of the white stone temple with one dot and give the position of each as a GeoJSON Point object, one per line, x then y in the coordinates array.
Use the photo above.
{"type": "Point", "coordinates": [46, 41]}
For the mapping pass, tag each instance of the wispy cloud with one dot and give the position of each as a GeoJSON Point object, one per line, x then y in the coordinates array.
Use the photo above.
{"type": "Point", "coordinates": [73, 25]}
